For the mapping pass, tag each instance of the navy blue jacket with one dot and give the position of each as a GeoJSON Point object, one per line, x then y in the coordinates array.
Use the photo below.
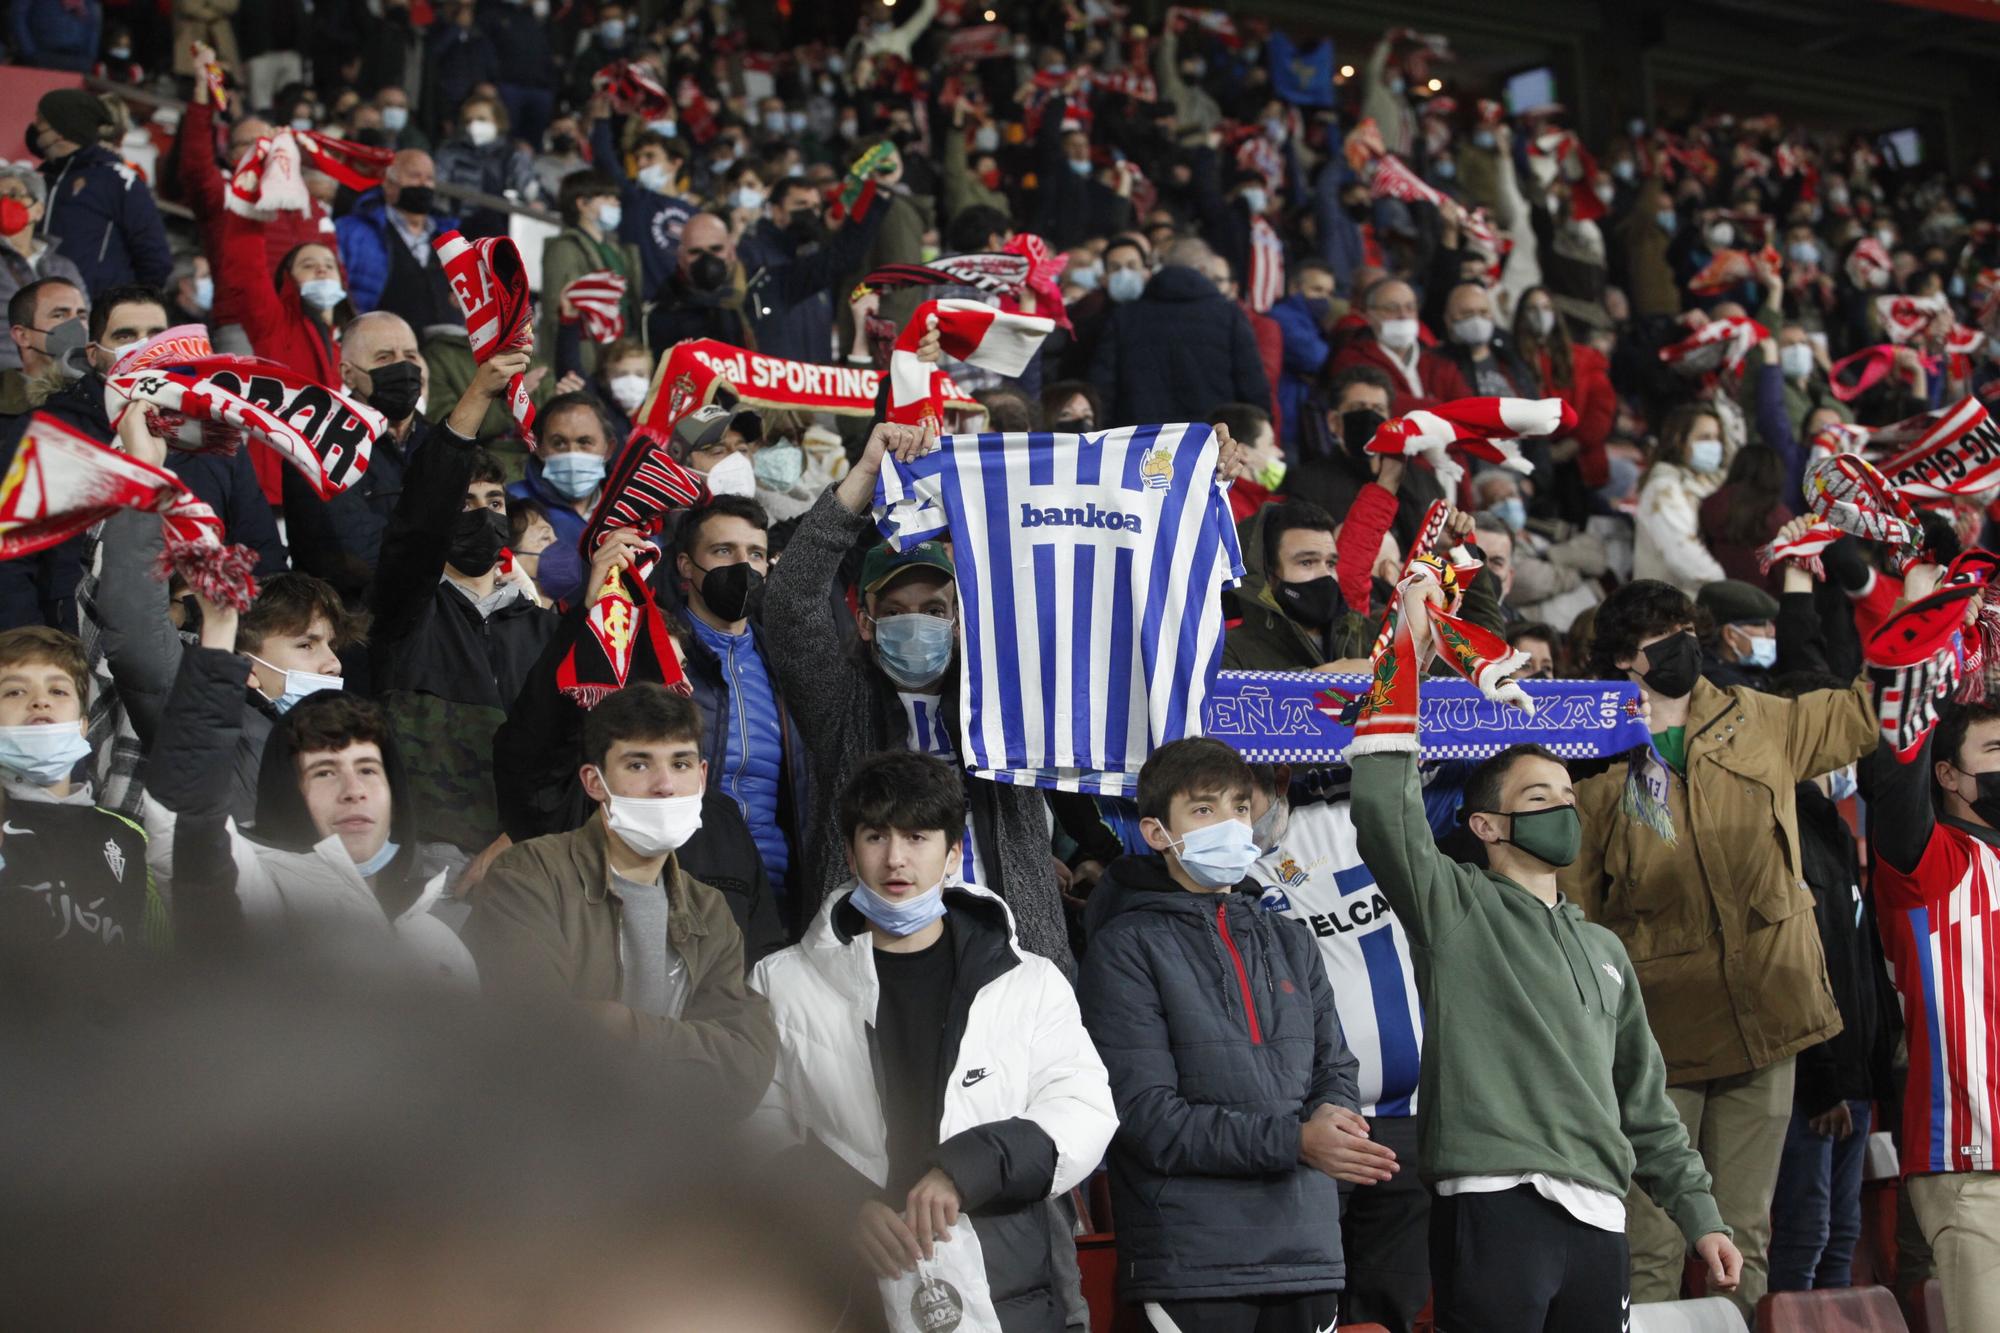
{"type": "Point", "coordinates": [1177, 353]}
{"type": "Point", "coordinates": [109, 226]}
{"type": "Point", "coordinates": [1216, 1022]}
{"type": "Point", "coordinates": [790, 295]}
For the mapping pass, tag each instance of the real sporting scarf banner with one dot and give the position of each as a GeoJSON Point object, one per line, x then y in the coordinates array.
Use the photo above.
{"type": "Point", "coordinates": [1292, 717]}
{"type": "Point", "coordinates": [698, 372]}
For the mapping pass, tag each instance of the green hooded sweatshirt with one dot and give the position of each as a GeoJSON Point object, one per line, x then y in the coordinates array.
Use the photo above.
{"type": "Point", "coordinates": [1537, 1056]}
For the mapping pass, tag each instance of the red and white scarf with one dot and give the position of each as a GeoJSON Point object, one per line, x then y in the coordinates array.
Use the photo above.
{"type": "Point", "coordinates": [211, 403]}
{"type": "Point", "coordinates": [1393, 180]}
{"type": "Point", "coordinates": [1717, 346]}
{"type": "Point", "coordinates": [1267, 266]}
{"type": "Point", "coordinates": [701, 371]}
{"type": "Point", "coordinates": [270, 176]}
{"type": "Point", "coordinates": [1044, 272]}
{"type": "Point", "coordinates": [599, 299]}
{"type": "Point", "coordinates": [971, 332]}
{"type": "Point", "coordinates": [634, 90]}
{"type": "Point", "coordinates": [62, 483]}
{"type": "Point", "coordinates": [491, 286]}
{"type": "Point", "coordinates": [1906, 317]}
{"type": "Point", "coordinates": [1486, 428]}
{"type": "Point", "coordinates": [1868, 265]}
{"type": "Point", "coordinates": [1915, 661]}
{"type": "Point", "coordinates": [1952, 451]}
{"type": "Point", "coordinates": [1851, 498]}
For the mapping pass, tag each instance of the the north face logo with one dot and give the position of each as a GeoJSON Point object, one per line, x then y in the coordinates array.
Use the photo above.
{"type": "Point", "coordinates": [1089, 516]}
{"type": "Point", "coordinates": [1612, 972]}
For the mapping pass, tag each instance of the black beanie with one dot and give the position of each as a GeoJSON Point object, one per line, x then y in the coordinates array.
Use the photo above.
{"type": "Point", "coordinates": [74, 114]}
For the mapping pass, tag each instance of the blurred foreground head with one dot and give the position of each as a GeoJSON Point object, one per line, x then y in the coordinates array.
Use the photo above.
{"type": "Point", "coordinates": [258, 1154]}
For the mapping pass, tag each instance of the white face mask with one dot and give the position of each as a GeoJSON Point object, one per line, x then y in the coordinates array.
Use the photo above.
{"type": "Point", "coordinates": [1796, 360]}
{"type": "Point", "coordinates": [734, 475]}
{"type": "Point", "coordinates": [654, 827]}
{"type": "Point", "coordinates": [298, 684]}
{"type": "Point", "coordinates": [628, 391]}
{"type": "Point", "coordinates": [1472, 331]}
{"type": "Point", "coordinates": [481, 132]}
{"type": "Point", "coordinates": [1705, 455]}
{"type": "Point", "coordinates": [1398, 335]}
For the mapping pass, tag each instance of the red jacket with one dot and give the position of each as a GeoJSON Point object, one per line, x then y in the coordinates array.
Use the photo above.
{"type": "Point", "coordinates": [1271, 351]}
{"type": "Point", "coordinates": [276, 320]}
{"type": "Point", "coordinates": [1595, 402]}
{"type": "Point", "coordinates": [1440, 378]}
{"type": "Point", "coordinates": [202, 190]}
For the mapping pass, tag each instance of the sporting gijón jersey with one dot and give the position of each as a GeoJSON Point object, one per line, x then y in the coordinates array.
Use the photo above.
{"type": "Point", "coordinates": [1317, 877]}
{"type": "Point", "coordinates": [75, 877]}
{"type": "Point", "coordinates": [1941, 934]}
{"type": "Point", "coordinates": [1089, 574]}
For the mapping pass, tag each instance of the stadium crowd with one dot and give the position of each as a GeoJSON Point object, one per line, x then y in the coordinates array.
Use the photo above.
{"type": "Point", "coordinates": [1520, 1040]}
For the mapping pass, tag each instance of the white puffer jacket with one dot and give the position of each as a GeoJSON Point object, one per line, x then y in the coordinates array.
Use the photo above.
{"type": "Point", "coordinates": [1667, 544]}
{"type": "Point", "coordinates": [1027, 1108]}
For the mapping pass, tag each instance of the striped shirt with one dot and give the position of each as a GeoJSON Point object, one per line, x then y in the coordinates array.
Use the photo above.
{"type": "Point", "coordinates": [1941, 934]}
{"type": "Point", "coordinates": [1089, 574]}
{"type": "Point", "coordinates": [1317, 876]}
{"type": "Point", "coordinates": [927, 733]}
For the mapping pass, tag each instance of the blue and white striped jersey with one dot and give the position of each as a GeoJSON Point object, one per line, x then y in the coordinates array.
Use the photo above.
{"type": "Point", "coordinates": [1089, 574]}
{"type": "Point", "coordinates": [1317, 876]}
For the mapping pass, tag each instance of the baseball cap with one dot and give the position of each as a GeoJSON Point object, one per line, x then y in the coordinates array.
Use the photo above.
{"type": "Point", "coordinates": [698, 430]}
{"type": "Point", "coordinates": [882, 566]}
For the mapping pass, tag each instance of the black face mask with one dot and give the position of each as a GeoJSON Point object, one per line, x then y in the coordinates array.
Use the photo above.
{"type": "Point", "coordinates": [1987, 804]}
{"type": "Point", "coordinates": [1676, 665]}
{"type": "Point", "coordinates": [1381, 592]}
{"type": "Point", "coordinates": [396, 389]}
{"type": "Point", "coordinates": [1074, 425]}
{"type": "Point", "coordinates": [476, 538]}
{"type": "Point", "coordinates": [416, 198]}
{"type": "Point", "coordinates": [1358, 210]}
{"type": "Point", "coordinates": [1357, 428]}
{"type": "Point", "coordinates": [707, 273]}
{"type": "Point", "coordinates": [36, 143]}
{"type": "Point", "coordinates": [727, 588]}
{"type": "Point", "coordinates": [562, 145]}
{"type": "Point", "coordinates": [806, 228]}
{"type": "Point", "coordinates": [1311, 602]}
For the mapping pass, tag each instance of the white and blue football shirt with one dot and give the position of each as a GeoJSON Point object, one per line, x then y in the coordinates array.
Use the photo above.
{"type": "Point", "coordinates": [1089, 574]}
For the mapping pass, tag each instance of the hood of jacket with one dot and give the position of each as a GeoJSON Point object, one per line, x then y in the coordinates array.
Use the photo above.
{"type": "Point", "coordinates": [1175, 283]}
{"type": "Point", "coordinates": [1142, 884]}
{"type": "Point", "coordinates": [284, 822]}
{"type": "Point", "coordinates": [838, 947]}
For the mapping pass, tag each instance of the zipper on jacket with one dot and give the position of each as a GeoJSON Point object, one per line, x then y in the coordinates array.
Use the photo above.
{"type": "Point", "coordinates": [1242, 973]}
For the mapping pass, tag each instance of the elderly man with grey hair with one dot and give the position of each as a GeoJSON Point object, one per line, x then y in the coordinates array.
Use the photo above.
{"type": "Point", "coordinates": [385, 245]}
{"type": "Point", "coordinates": [24, 257]}
{"type": "Point", "coordinates": [1179, 351]}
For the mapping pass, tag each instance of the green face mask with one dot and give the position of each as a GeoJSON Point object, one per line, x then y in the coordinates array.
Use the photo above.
{"type": "Point", "coordinates": [1553, 834]}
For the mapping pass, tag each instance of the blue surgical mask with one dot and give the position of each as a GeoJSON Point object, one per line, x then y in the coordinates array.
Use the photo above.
{"type": "Point", "coordinates": [1763, 652]}
{"type": "Point", "coordinates": [374, 864]}
{"type": "Point", "coordinates": [395, 118]}
{"type": "Point", "coordinates": [1218, 856]}
{"type": "Point", "coordinates": [1669, 220]}
{"type": "Point", "coordinates": [1511, 511]}
{"type": "Point", "coordinates": [1256, 199]}
{"type": "Point", "coordinates": [653, 176]}
{"type": "Point", "coordinates": [43, 753]}
{"type": "Point", "coordinates": [322, 293]}
{"type": "Point", "coordinates": [1483, 139]}
{"type": "Point", "coordinates": [899, 919]}
{"type": "Point", "coordinates": [574, 474]}
{"type": "Point", "coordinates": [1796, 360]}
{"type": "Point", "coordinates": [1086, 278]}
{"type": "Point", "coordinates": [298, 684]}
{"type": "Point", "coordinates": [1624, 169]}
{"type": "Point", "coordinates": [1803, 252]}
{"type": "Point", "coordinates": [1080, 166]}
{"type": "Point", "coordinates": [914, 649]}
{"type": "Point", "coordinates": [612, 32]}
{"type": "Point", "coordinates": [1126, 284]}
{"type": "Point", "coordinates": [204, 293]}
{"type": "Point", "coordinates": [1843, 784]}
{"type": "Point", "coordinates": [778, 466]}
{"type": "Point", "coordinates": [609, 216]}
{"type": "Point", "coordinates": [1705, 455]}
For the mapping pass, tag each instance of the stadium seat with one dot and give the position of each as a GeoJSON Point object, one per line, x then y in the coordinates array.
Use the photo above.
{"type": "Point", "coordinates": [1711, 1314]}
{"type": "Point", "coordinates": [1849, 1310]}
